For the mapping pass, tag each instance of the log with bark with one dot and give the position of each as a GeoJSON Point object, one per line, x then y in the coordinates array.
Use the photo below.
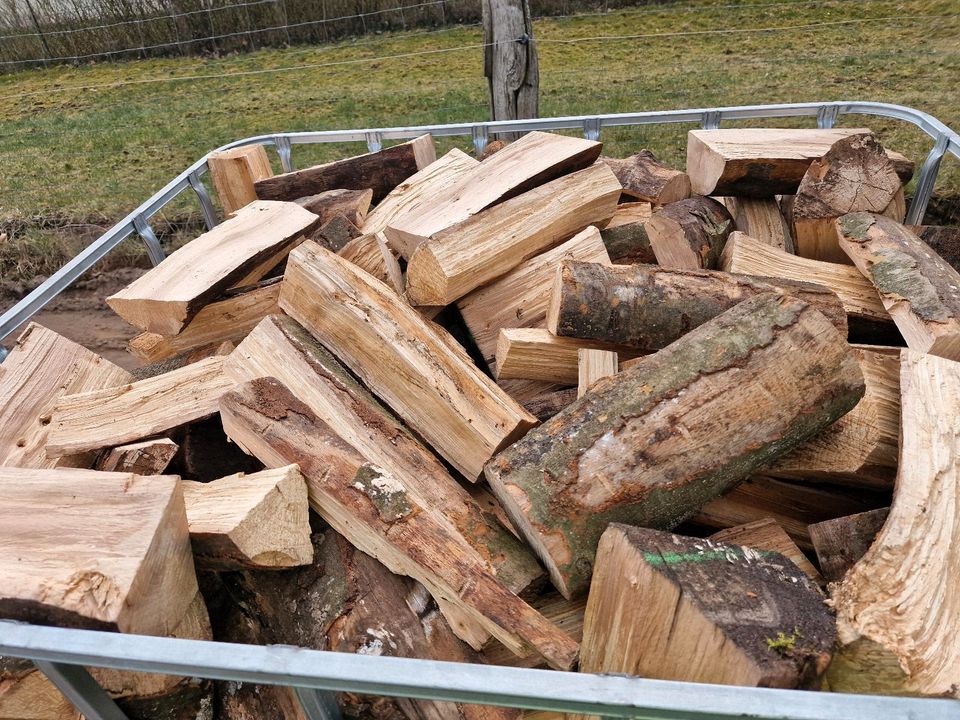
{"type": "Point", "coordinates": [841, 542]}
{"type": "Point", "coordinates": [234, 172]}
{"type": "Point", "coordinates": [149, 457]}
{"type": "Point", "coordinates": [643, 177]}
{"type": "Point", "coordinates": [336, 233]}
{"type": "Point", "coordinates": [625, 236]}
{"type": "Point", "coordinates": [689, 234]}
{"type": "Point", "coordinates": [352, 205]}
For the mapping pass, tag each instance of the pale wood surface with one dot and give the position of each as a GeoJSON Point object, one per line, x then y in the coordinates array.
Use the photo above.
{"type": "Point", "coordinates": [841, 542]}
{"type": "Point", "coordinates": [594, 365]}
{"type": "Point", "coordinates": [538, 354]}
{"type": "Point", "coordinates": [766, 534]}
{"type": "Point", "coordinates": [645, 178]}
{"type": "Point", "coordinates": [166, 298]}
{"type": "Point", "coordinates": [149, 457]}
{"type": "Point", "coordinates": [26, 694]}
{"type": "Point", "coordinates": [370, 252]}
{"type": "Point", "coordinates": [353, 205]}
{"type": "Point", "coordinates": [761, 219]}
{"type": "Point", "coordinates": [235, 171]}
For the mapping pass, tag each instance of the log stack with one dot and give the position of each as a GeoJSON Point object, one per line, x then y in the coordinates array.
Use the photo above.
{"type": "Point", "coordinates": [547, 409]}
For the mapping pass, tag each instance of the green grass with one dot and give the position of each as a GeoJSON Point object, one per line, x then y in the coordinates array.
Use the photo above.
{"type": "Point", "coordinates": [75, 147]}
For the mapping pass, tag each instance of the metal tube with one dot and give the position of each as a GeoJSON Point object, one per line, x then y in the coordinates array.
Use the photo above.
{"type": "Point", "coordinates": [79, 687]}
{"type": "Point", "coordinates": [926, 181]}
{"type": "Point", "coordinates": [318, 704]}
{"type": "Point", "coordinates": [150, 239]}
{"type": "Point", "coordinates": [206, 205]}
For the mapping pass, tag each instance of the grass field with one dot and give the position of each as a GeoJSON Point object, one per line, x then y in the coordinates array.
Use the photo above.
{"type": "Point", "coordinates": [84, 145]}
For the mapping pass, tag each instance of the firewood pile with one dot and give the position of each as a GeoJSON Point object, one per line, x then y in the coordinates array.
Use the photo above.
{"type": "Point", "coordinates": [547, 409]}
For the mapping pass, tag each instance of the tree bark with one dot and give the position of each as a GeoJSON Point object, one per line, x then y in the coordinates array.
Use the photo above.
{"type": "Point", "coordinates": [510, 61]}
{"type": "Point", "coordinates": [645, 178]}
{"type": "Point", "coordinates": [841, 542]}
{"type": "Point", "coordinates": [689, 234]}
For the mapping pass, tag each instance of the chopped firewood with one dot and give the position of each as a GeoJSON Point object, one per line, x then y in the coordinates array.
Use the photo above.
{"type": "Point", "coordinates": [645, 178]}
{"type": "Point", "coordinates": [919, 289]}
{"type": "Point", "coordinates": [678, 608]}
{"type": "Point", "coordinates": [761, 219]}
{"type": "Point", "coordinates": [27, 694]}
{"type": "Point", "coordinates": [229, 319]}
{"type": "Point", "coordinates": [625, 236]}
{"type": "Point", "coordinates": [594, 365]}
{"type": "Point", "coordinates": [548, 404]}
{"type": "Point", "coordinates": [379, 171]}
{"type": "Point", "coordinates": [114, 416]}
{"type": "Point", "coordinates": [689, 235]}
{"type": "Point", "coordinates": [149, 457]}
{"type": "Point", "coordinates": [402, 358]}
{"type": "Point", "coordinates": [415, 192]}
{"type": "Point", "coordinates": [747, 255]}
{"type": "Point", "coordinates": [353, 205]}
{"type": "Point", "coordinates": [841, 542]}
{"type": "Point", "coordinates": [766, 534]}
{"type": "Point", "coordinates": [336, 233]}
{"type": "Point", "coordinates": [898, 608]}
{"type": "Point", "coordinates": [538, 354]}
{"type": "Point", "coordinates": [764, 162]}
{"type": "Point", "coordinates": [519, 298]}
{"type": "Point", "coordinates": [492, 147]}
{"type": "Point", "coordinates": [377, 513]}
{"type": "Point", "coordinates": [43, 367]}
{"type": "Point", "coordinates": [565, 614]}
{"type": "Point", "coordinates": [166, 298]}
{"type": "Point", "coordinates": [897, 209]}
{"type": "Point", "coordinates": [250, 521]}
{"type": "Point", "coordinates": [531, 161]}
{"type": "Point", "coordinates": [234, 172]}
{"type": "Point", "coordinates": [370, 252]}
{"type": "Point", "coordinates": [138, 566]}
{"type": "Point", "coordinates": [853, 176]}
{"type": "Point", "coordinates": [945, 241]}
{"type": "Point", "coordinates": [161, 367]}
{"type": "Point", "coordinates": [647, 307]}
{"type": "Point", "coordinates": [749, 385]}
{"type": "Point", "coordinates": [449, 264]}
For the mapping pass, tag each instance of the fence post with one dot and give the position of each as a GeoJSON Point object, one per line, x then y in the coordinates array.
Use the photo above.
{"type": "Point", "coordinates": [510, 61]}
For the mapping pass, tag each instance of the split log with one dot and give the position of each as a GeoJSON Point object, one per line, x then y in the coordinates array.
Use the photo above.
{"type": "Point", "coordinates": [114, 416]}
{"type": "Point", "coordinates": [763, 162]}
{"type": "Point", "coordinates": [772, 371]}
{"type": "Point", "coordinates": [336, 233]}
{"type": "Point", "coordinates": [565, 614]}
{"type": "Point", "coordinates": [548, 404]}
{"type": "Point", "coordinates": [255, 521]}
{"type": "Point", "coordinates": [646, 307]}
{"type": "Point", "coordinates": [625, 236]}
{"type": "Point", "coordinates": [677, 608]}
{"type": "Point", "coordinates": [766, 534]}
{"type": "Point", "coordinates": [897, 609]}
{"type": "Point", "coordinates": [538, 354]}
{"type": "Point", "coordinates": [853, 176]}
{"type": "Point", "coordinates": [402, 358]}
{"type": "Point", "coordinates": [166, 298]}
{"type": "Point", "coordinates": [841, 542]}
{"type": "Point", "coordinates": [519, 299]}
{"type": "Point", "coordinates": [919, 289]}
{"type": "Point", "coordinates": [449, 264]}
{"type": "Point", "coordinates": [134, 574]}
{"type": "Point", "coordinates": [689, 235]}
{"type": "Point", "coordinates": [149, 457]}
{"type": "Point", "coordinates": [762, 219]}
{"type": "Point", "coordinates": [353, 205]}
{"type": "Point", "coordinates": [227, 320]}
{"type": "Point", "coordinates": [379, 171]}
{"type": "Point", "coordinates": [945, 241]}
{"type": "Point", "coordinates": [645, 178]}
{"type": "Point", "coordinates": [41, 368]}
{"type": "Point", "coordinates": [531, 161]}
{"type": "Point", "coordinates": [234, 172]}
{"type": "Point", "coordinates": [593, 366]}
{"type": "Point", "coordinates": [370, 252]}
{"type": "Point", "coordinates": [378, 514]}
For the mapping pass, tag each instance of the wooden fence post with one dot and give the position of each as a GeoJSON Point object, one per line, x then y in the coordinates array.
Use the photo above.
{"type": "Point", "coordinates": [510, 61]}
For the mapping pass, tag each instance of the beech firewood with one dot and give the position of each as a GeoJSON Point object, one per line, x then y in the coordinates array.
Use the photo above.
{"type": "Point", "coordinates": [379, 171]}
{"type": "Point", "coordinates": [402, 358]}
{"type": "Point", "coordinates": [531, 161]}
{"type": "Point", "coordinates": [760, 218]}
{"type": "Point", "coordinates": [378, 514]}
{"type": "Point", "coordinates": [766, 534]}
{"type": "Point", "coordinates": [678, 608]}
{"type": "Point", "coordinates": [853, 176]}
{"type": "Point", "coordinates": [841, 542]}
{"type": "Point", "coordinates": [115, 416]}
{"type": "Point", "coordinates": [538, 354]}
{"type": "Point", "coordinates": [353, 205]}
{"type": "Point", "coordinates": [149, 457]}
{"type": "Point", "coordinates": [594, 365]}
{"type": "Point", "coordinates": [689, 234]}
{"type": "Point", "coordinates": [645, 178]}
{"type": "Point", "coordinates": [166, 298]}
{"type": "Point", "coordinates": [898, 608]}
{"type": "Point", "coordinates": [565, 614]}
{"type": "Point", "coordinates": [945, 241]}
{"type": "Point", "coordinates": [449, 264]}
{"type": "Point", "coordinates": [625, 236]}
{"type": "Point", "coordinates": [750, 385]}
{"type": "Point", "coordinates": [918, 288]}
{"type": "Point", "coordinates": [370, 252]}
{"type": "Point", "coordinates": [336, 233]}
{"type": "Point", "coordinates": [41, 368]}
{"type": "Point", "coordinates": [647, 307]}
{"type": "Point", "coordinates": [234, 172]}
{"type": "Point", "coordinates": [548, 404]}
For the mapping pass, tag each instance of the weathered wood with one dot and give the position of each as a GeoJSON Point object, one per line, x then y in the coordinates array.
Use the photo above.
{"type": "Point", "coordinates": [149, 457]}
{"type": "Point", "coordinates": [41, 368]}
{"type": "Point", "coordinates": [336, 233]}
{"type": "Point", "coordinates": [645, 178]}
{"type": "Point", "coordinates": [353, 205]}
{"type": "Point", "coordinates": [647, 307]}
{"type": "Point", "coordinates": [519, 298]}
{"type": "Point", "coordinates": [379, 171]}
{"type": "Point", "coordinates": [531, 161]}
{"type": "Point", "coordinates": [402, 358]}
{"type": "Point", "coordinates": [763, 162]}
{"type": "Point", "coordinates": [750, 385]}
{"type": "Point", "coordinates": [510, 66]}
{"type": "Point", "coordinates": [234, 172]}
{"type": "Point", "coordinates": [132, 574]}
{"type": "Point", "coordinates": [678, 608]}
{"type": "Point", "coordinates": [761, 219]}
{"type": "Point", "coordinates": [176, 362]}
{"type": "Point", "coordinates": [166, 298]}
{"type": "Point", "coordinates": [545, 405]}
{"type": "Point", "coordinates": [378, 514]}
{"type": "Point", "coordinates": [766, 534]}
{"type": "Point", "coordinates": [491, 148]}
{"type": "Point", "coordinates": [945, 241]}
{"type": "Point", "coordinates": [689, 234]}
{"type": "Point", "coordinates": [593, 366]}
{"type": "Point", "coordinates": [919, 289]}
{"type": "Point", "coordinates": [227, 320]}
{"type": "Point", "coordinates": [370, 252]}
{"type": "Point", "coordinates": [841, 542]}
{"type": "Point", "coordinates": [123, 414]}
{"type": "Point", "coordinates": [538, 354]}
{"type": "Point", "coordinates": [565, 614]}
{"type": "Point", "coordinates": [625, 236]}
{"type": "Point", "coordinates": [853, 176]}
{"type": "Point", "coordinates": [898, 608]}
{"type": "Point", "coordinates": [451, 263]}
